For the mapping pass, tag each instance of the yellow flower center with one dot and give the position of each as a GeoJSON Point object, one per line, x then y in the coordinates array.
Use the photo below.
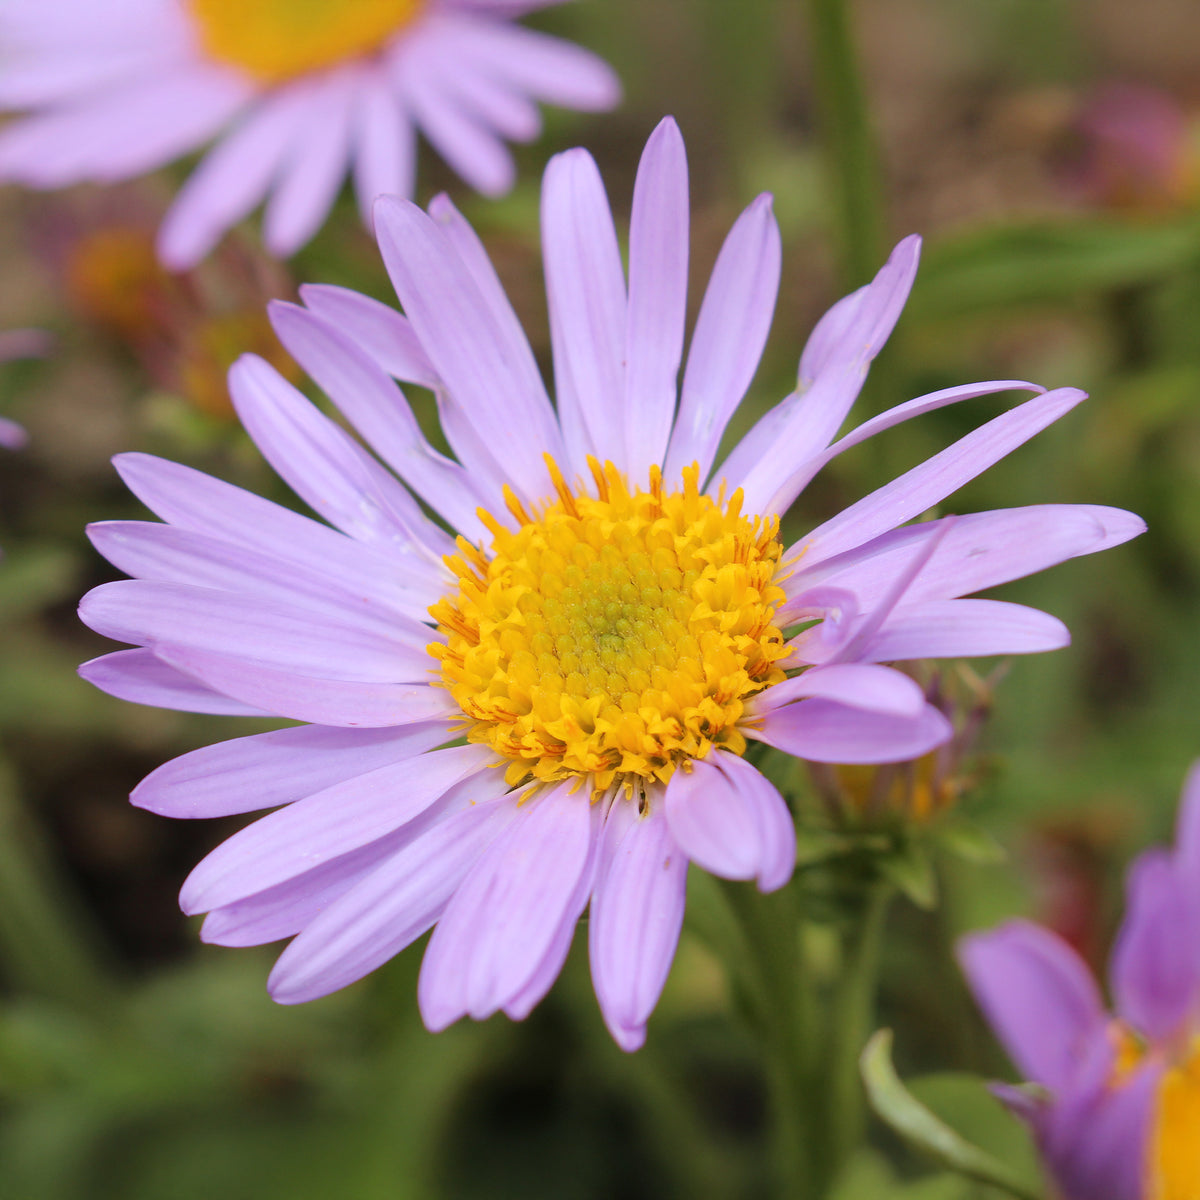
{"type": "Point", "coordinates": [275, 40]}
{"type": "Point", "coordinates": [1173, 1159]}
{"type": "Point", "coordinates": [616, 636]}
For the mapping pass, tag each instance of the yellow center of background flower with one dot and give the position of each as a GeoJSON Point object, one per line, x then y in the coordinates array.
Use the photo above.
{"type": "Point", "coordinates": [617, 636]}
{"type": "Point", "coordinates": [1175, 1170]}
{"type": "Point", "coordinates": [275, 40]}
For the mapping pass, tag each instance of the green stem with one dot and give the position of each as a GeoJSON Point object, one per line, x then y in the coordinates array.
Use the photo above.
{"type": "Point", "coordinates": [853, 1021]}
{"type": "Point", "coordinates": [848, 141]}
{"type": "Point", "coordinates": [781, 1010]}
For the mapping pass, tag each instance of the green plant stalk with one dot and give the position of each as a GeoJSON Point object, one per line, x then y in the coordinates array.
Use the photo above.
{"type": "Point", "coordinates": [782, 1012]}
{"type": "Point", "coordinates": [848, 141]}
{"type": "Point", "coordinates": [852, 1023]}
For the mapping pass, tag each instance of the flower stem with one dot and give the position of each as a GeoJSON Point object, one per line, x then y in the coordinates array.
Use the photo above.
{"type": "Point", "coordinates": [781, 1010]}
{"type": "Point", "coordinates": [853, 1013]}
{"type": "Point", "coordinates": [848, 140]}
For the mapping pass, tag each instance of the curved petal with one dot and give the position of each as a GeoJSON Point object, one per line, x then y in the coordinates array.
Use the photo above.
{"type": "Point", "coordinates": [728, 819]}
{"type": "Point", "coordinates": [635, 918]}
{"type": "Point", "coordinates": [191, 500]}
{"type": "Point", "coordinates": [326, 824]}
{"type": "Point", "coordinates": [504, 916]}
{"type": "Point", "coordinates": [468, 347]}
{"type": "Point", "coordinates": [324, 467]}
{"type": "Point", "coordinates": [142, 678]}
{"type": "Point", "coordinates": [964, 629]}
{"type": "Point", "coordinates": [585, 289]}
{"type": "Point", "coordinates": [727, 343]}
{"type": "Point", "coordinates": [376, 328]}
{"type": "Point", "coordinates": [307, 698]}
{"type": "Point", "coordinates": [932, 481]}
{"type": "Point", "coordinates": [658, 284]}
{"type": "Point", "coordinates": [390, 908]}
{"type": "Point", "coordinates": [377, 408]}
{"type": "Point", "coordinates": [256, 630]}
{"type": "Point", "coordinates": [1038, 996]}
{"type": "Point", "coordinates": [1154, 977]}
{"type": "Point", "coordinates": [825, 731]}
{"type": "Point", "coordinates": [859, 685]}
{"type": "Point", "coordinates": [265, 770]}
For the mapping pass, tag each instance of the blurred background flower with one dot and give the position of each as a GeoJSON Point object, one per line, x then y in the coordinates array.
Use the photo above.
{"type": "Point", "coordinates": [298, 94]}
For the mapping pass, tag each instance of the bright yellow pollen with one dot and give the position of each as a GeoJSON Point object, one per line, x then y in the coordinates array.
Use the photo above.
{"type": "Point", "coordinates": [616, 636]}
{"type": "Point", "coordinates": [275, 40]}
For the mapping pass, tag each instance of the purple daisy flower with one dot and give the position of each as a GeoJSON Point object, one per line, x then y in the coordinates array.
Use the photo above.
{"type": "Point", "coordinates": [607, 631]}
{"type": "Point", "coordinates": [1120, 1110]}
{"type": "Point", "coordinates": [297, 94]}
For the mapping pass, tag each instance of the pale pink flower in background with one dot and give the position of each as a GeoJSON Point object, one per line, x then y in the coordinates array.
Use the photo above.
{"type": "Point", "coordinates": [295, 93]}
{"type": "Point", "coordinates": [616, 618]}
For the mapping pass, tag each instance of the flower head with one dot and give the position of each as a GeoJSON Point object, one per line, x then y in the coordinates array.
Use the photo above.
{"type": "Point", "coordinates": [296, 92]}
{"type": "Point", "coordinates": [613, 623]}
{"type": "Point", "coordinates": [1119, 1115]}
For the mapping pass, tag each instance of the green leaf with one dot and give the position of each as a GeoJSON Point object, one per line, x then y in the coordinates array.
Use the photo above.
{"type": "Point", "coordinates": [906, 1115]}
{"type": "Point", "coordinates": [1047, 261]}
{"type": "Point", "coordinates": [971, 842]}
{"type": "Point", "coordinates": [910, 868]}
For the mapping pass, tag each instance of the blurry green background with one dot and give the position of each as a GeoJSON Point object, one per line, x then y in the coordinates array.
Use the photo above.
{"type": "Point", "coordinates": [137, 1064]}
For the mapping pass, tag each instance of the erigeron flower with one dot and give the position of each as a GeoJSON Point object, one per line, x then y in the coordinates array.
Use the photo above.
{"type": "Point", "coordinates": [551, 710]}
{"type": "Point", "coordinates": [296, 92]}
{"type": "Point", "coordinates": [1120, 1105]}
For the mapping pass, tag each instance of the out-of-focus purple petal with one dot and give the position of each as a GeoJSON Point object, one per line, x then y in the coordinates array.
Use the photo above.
{"type": "Point", "coordinates": [546, 67]}
{"type": "Point", "coordinates": [385, 143]}
{"type": "Point", "coordinates": [12, 435]}
{"type": "Point", "coordinates": [658, 284]}
{"type": "Point", "coordinates": [635, 918]}
{"type": "Point", "coordinates": [231, 179]}
{"type": "Point", "coordinates": [1097, 1144]}
{"type": "Point", "coordinates": [1154, 978]}
{"type": "Point", "coordinates": [1038, 996]}
{"type": "Point", "coordinates": [727, 343]}
{"type": "Point", "coordinates": [825, 731]}
{"type": "Point", "coordinates": [1187, 833]}
{"type": "Point", "coordinates": [269, 769]}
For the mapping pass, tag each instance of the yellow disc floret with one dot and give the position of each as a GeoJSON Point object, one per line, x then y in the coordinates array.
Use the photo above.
{"type": "Point", "coordinates": [616, 635]}
{"type": "Point", "coordinates": [275, 40]}
{"type": "Point", "coordinates": [1175, 1153]}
